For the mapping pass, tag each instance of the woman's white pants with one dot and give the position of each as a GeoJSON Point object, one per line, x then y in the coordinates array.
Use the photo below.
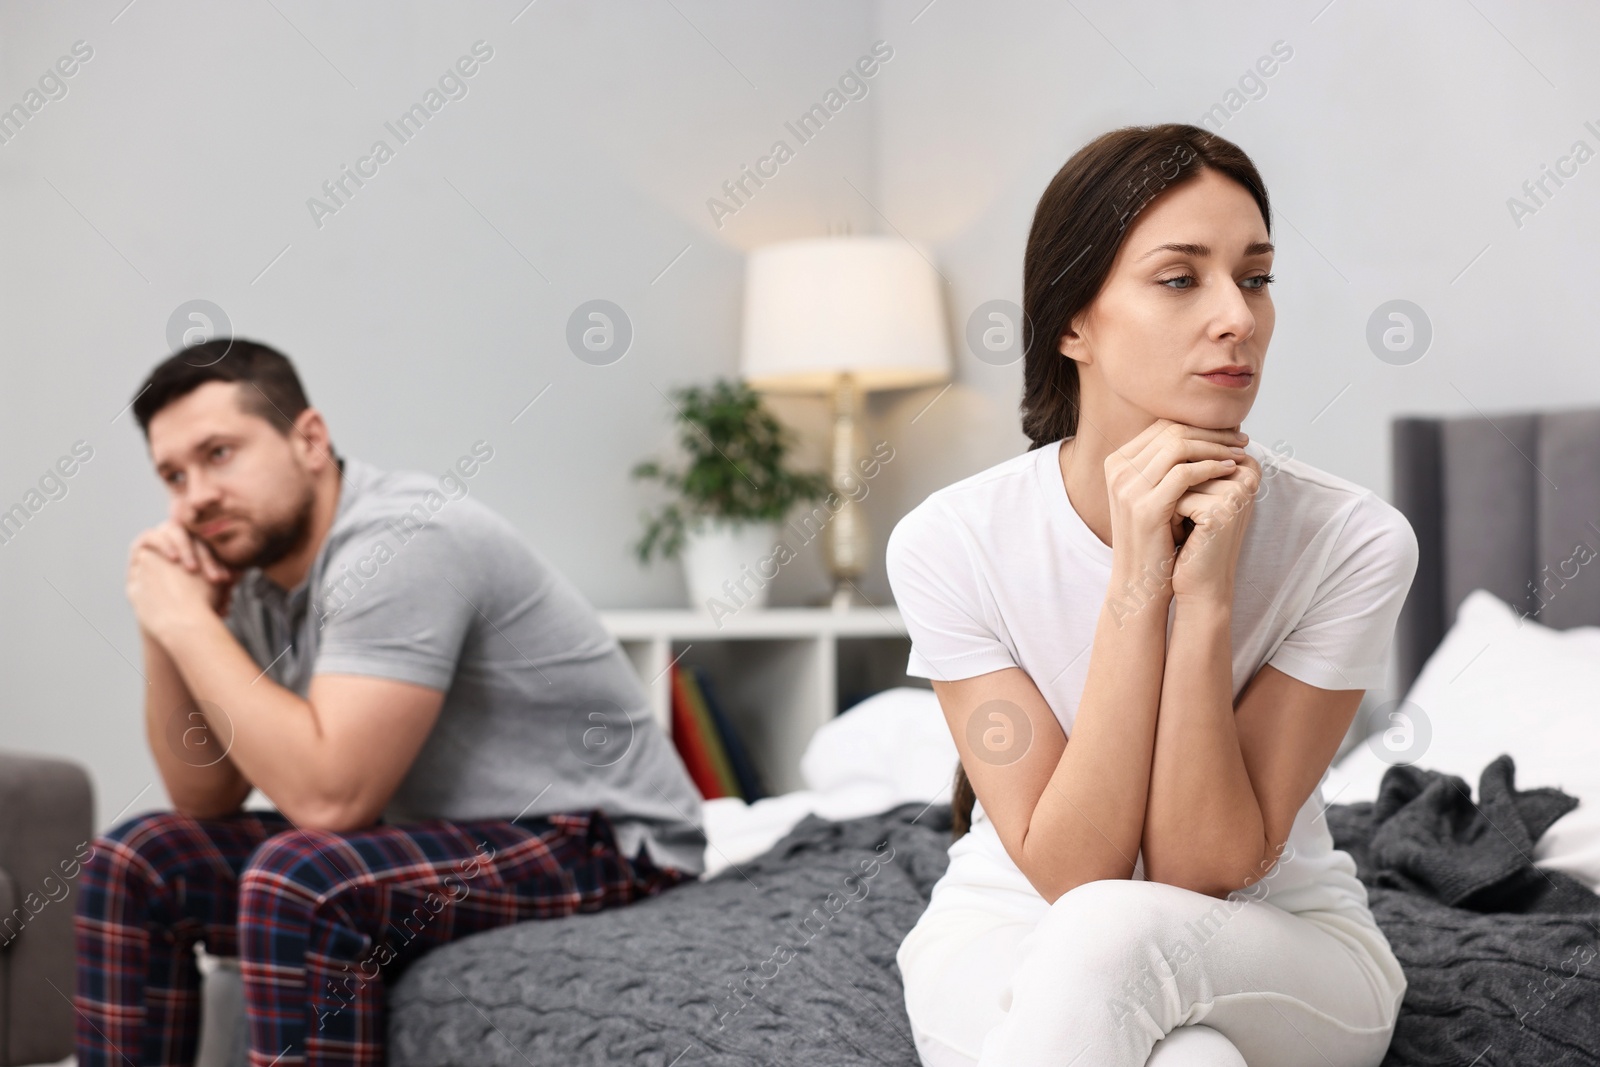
{"type": "Point", "coordinates": [1128, 973]}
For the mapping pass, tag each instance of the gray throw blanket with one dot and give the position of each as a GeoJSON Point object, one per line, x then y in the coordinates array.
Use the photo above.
{"type": "Point", "coordinates": [789, 958]}
{"type": "Point", "coordinates": [1500, 956]}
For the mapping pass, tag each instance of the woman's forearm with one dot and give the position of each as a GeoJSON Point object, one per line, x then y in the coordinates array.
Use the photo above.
{"type": "Point", "coordinates": [1088, 822]}
{"type": "Point", "coordinates": [1203, 828]}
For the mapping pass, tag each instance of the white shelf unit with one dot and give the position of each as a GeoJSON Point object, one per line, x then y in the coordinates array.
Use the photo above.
{"type": "Point", "coordinates": [778, 673]}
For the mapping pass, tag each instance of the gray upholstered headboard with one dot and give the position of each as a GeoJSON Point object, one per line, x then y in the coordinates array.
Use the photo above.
{"type": "Point", "coordinates": [1507, 503]}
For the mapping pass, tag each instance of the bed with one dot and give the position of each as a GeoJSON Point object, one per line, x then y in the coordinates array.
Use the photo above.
{"type": "Point", "coordinates": [1480, 857]}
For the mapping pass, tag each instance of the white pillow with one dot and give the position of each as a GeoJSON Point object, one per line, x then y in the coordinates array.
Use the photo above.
{"type": "Point", "coordinates": [1498, 683]}
{"type": "Point", "coordinates": [896, 738]}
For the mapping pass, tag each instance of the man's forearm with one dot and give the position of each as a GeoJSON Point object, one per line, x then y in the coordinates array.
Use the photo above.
{"type": "Point", "coordinates": [189, 752]}
{"type": "Point", "coordinates": [276, 738]}
{"type": "Point", "coordinates": [1203, 827]}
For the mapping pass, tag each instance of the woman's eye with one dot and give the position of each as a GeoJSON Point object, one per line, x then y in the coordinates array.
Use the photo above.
{"type": "Point", "coordinates": [1179, 278]}
{"type": "Point", "coordinates": [219, 448]}
{"type": "Point", "coordinates": [1264, 279]}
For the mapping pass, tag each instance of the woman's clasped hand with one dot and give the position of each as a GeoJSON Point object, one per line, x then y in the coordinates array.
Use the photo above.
{"type": "Point", "coordinates": [1168, 473]}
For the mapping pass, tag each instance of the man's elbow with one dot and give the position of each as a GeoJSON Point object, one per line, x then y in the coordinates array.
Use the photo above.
{"type": "Point", "coordinates": [205, 809]}
{"type": "Point", "coordinates": [332, 815]}
{"type": "Point", "coordinates": [217, 804]}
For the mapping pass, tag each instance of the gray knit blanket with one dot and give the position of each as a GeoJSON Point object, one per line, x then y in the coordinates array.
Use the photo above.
{"type": "Point", "coordinates": [789, 959]}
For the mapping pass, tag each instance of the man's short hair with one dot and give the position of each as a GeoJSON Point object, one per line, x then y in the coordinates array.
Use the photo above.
{"type": "Point", "coordinates": [269, 386]}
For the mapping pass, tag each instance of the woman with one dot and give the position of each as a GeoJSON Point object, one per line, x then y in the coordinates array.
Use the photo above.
{"type": "Point", "coordinates": [1198, 616]}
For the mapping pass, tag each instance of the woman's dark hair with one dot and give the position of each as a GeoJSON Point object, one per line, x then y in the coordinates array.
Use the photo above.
{"type": "Point", "coordinates": [1078, 227]}
{"type": "Point", "coordinates": [273, 389]}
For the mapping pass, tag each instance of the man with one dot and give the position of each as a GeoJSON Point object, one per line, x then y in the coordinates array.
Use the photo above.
{"type": "Point", "coordinates": [451, 739]}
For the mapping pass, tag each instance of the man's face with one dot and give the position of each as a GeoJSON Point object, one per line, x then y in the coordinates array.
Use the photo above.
{"type": "Point", "coordinates": [234, 481]}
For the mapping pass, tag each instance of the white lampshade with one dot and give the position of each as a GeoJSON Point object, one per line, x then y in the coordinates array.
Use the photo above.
{"type": "Point", "coordinates": [819, 307]}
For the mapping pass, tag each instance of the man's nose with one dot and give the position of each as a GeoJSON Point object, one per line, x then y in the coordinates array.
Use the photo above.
{"type": "Point", "coordinates": [201, 494]}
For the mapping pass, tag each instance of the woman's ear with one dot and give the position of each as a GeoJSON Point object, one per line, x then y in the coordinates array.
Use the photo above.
{"type": "Point", "coordinates": [1073, 346]}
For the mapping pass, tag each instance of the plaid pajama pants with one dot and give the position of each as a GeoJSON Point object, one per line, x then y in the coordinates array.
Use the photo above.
{"type": "Point", "coordinates": [318, 920]}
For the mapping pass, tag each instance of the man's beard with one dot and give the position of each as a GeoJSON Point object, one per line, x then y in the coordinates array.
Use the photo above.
{"type": "Point", "coordinates": [280, 540]}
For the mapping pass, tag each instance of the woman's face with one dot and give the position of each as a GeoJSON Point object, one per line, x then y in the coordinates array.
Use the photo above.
{"type": "Point", "coordinates": [1167, 315]}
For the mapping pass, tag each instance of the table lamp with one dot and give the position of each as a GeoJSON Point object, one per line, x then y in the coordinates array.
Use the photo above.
{"type": "Point", "coordinates": [843, 315]}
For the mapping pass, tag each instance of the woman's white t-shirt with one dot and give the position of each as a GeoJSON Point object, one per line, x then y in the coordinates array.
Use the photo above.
{"type": "Point", "coordinates": [999, 570]}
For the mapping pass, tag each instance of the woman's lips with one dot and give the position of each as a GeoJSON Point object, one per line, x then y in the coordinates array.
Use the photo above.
{"type": "Point", "coordinates": [1229, 381]}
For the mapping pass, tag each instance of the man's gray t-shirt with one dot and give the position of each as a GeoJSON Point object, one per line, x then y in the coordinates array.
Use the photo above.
{"type": "Point", "coordinates": [543, 713]}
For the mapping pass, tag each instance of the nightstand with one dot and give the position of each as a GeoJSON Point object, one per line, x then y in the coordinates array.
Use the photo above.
{"type": "Point", "coordinates": [779, 673]}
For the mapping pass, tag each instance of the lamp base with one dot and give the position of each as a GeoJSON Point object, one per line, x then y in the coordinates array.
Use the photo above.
{"type": "Point", "coordinates": [847, 534]}
{"type": "Point", "coordinates": [843, 598]}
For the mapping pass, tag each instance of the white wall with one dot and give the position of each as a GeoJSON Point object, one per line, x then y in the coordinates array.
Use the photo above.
{"type": "Point", "coordinates": [178, 166]}
{"type": "Point", "coordinates": [429, 310]}
{"type": "Point", "coordinates": [1390, 142]}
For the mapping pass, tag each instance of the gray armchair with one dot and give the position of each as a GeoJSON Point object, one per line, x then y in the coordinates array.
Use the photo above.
{"type": "Point", "coordinates": [46, 830]}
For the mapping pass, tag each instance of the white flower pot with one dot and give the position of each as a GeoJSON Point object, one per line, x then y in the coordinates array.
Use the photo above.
{"type": "Point", "coordinates": [723, 564]}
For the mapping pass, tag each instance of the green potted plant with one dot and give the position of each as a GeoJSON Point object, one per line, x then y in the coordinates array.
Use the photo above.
{"type": "Point", "coordinates": [731, 496]}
